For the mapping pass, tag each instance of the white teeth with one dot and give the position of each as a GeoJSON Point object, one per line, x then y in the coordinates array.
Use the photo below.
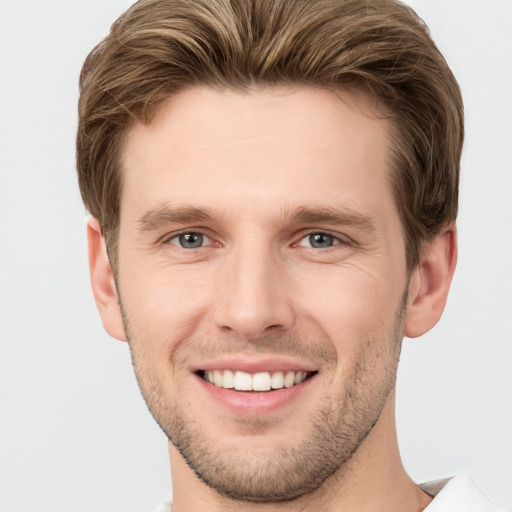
{"type": "Point", "coordinates": [299, 377]}
{"type": "Point", "coordinates": [228, 381]}
{"type": "Point", "coordinates": [277, 380]}
{"type": "Point", "coordinates": [243, 381]}
{"type": "Point", "coordinates": [217, 378]}
{"type": "Point", "coordinates": [262, 381]}
{"type": "Point", "coordinates": [289, 379]}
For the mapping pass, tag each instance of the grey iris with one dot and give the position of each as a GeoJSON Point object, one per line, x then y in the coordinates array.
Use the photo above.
{"type": "Point", "coordinates": [321, 240]}
{"type": "Point", "coordinates": [191, 240]}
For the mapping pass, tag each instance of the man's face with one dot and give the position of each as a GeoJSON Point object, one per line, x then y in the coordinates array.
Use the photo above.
{"type": "Point", "coordinates": [260, 247]}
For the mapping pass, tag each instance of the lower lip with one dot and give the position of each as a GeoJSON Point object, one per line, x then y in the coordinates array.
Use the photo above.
{"type": "Point", "coordinates": [254, 402]}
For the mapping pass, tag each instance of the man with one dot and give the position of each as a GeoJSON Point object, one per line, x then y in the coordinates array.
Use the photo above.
{"type": "Point", "coordinates": [273, 189]}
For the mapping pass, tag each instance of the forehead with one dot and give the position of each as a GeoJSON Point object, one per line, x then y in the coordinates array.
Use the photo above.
{"type": "Point", "coordinates": [245, 150]}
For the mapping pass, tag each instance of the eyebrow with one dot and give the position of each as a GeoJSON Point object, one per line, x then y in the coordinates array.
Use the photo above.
{"type": "Point", "coordinates": [164, 215]}
{"type": "Point", "coordinates": [341, 216]}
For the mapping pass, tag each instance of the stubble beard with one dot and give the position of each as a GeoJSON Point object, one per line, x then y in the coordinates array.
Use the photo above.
{"type": "Point", "coordinates": [339, 426]}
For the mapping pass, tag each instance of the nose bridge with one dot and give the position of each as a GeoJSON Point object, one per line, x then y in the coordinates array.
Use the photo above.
{"type": "Point", "coordinates": [254, 294]}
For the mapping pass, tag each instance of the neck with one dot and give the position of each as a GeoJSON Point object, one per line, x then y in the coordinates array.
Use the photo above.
{"type": "Point", "coordinates": [373, 479]}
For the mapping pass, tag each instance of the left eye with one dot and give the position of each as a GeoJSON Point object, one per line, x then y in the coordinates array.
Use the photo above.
{"type": "Point", "coordinates": [190, 240]}
{"type": "Point", "coordinates": [319, 241]}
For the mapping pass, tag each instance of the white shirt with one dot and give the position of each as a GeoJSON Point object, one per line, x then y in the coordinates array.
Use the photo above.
{"type": "Point", "coordinates": [457, 494]}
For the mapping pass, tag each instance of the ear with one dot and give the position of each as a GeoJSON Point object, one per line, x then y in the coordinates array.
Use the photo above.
{"type": "Point", "coordinates": [430, 283]}
{"type": "Point", "coordinates": [102, 281]}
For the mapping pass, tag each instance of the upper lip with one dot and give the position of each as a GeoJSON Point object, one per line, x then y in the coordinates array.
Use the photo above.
{"type": "Point", "coordinates": [244, 364]}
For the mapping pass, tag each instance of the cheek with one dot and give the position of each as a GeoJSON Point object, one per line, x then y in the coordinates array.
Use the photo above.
{"type": "Point", "coordinates": [163, 306]}
{"type": "Point", "coordinates": [350, 304]}
{"type": "Point", "coordinates": [357, 313]}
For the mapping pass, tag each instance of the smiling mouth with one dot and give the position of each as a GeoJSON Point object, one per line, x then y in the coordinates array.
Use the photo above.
{"type": "Point", "coordinates": [262, 381]}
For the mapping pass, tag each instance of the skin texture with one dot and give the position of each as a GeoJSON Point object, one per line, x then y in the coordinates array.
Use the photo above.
{"type": "Point", "coordinates": [256, 174]}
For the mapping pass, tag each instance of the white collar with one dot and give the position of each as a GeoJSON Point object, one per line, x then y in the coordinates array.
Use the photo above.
{"type": "Point", "coordinates": [457, 494]}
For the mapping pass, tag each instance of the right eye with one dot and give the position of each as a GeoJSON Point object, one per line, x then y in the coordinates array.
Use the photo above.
{"type": "Point", "coordinates": [319, 240]}
{"type": "Point", "coordinates": [190, 240]}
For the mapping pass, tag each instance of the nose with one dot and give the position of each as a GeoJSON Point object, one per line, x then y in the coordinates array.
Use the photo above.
{"type": "Point", "coordinates": [254, 296]}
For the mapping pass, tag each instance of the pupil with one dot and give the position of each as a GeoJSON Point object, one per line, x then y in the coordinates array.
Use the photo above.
{"type": "Point", "coordinates": [191, 240]}
{"type": "Point", "coordinates": [321, 240]}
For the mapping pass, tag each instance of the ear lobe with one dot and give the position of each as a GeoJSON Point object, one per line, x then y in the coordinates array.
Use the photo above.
{"type": "Point", "coordinates": [430, 283]}
{"type": "Point", "coordinates": [102, 281]}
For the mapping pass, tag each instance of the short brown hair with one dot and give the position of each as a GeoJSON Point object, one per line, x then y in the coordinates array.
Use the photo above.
{"type": "Point", "coordinates": [160, 47]}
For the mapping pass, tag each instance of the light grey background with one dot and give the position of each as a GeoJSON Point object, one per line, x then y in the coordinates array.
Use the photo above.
{"type": "Point", "coordinates": [74, 433]}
